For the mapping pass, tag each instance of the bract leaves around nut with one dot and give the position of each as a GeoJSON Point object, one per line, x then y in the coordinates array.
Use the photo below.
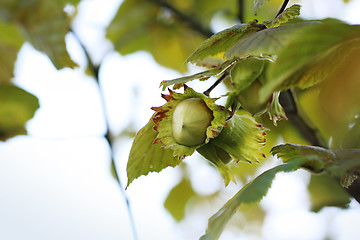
{"type": "Point", "coordinates": [219, 158]}
{"type": "Point", "coordinates": [242, 138]}
{"type": "Point", "coordinates": [181, 141]}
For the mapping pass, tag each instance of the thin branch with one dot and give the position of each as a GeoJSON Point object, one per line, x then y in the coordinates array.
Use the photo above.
{"type": "Point", "coordinates": [108, 135]}
{"type": "Point", "coordinates": [288, 102]}
{"type": "Point", "coordinates": [285, 3]}
{"type": "Point", "coordinates": [218, 81]}
{"type": "Point", "coordinates": [241, 11]}
{"type": "Point", "coordinates": [353, 190]}
{"type": "Point", "coordinates": [192, 23]}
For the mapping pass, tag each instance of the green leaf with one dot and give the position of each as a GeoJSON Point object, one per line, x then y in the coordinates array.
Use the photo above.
{"type": "Point", "coordinates": [177, 199]}
{"type": "Point", "coordinates": [147, 25]}
{"type": "Point", "coordinates": [252, 192]}
{"type": "Point", "coordinates": [10, 43]}
{"type": "Point", "coordinates": [72, 2]}
{"type": "Point", "coordinates": [352, 136]}
{"type": "Point", "coordinates": [242, 138]}
{"type": "Point", "coordinates": [44, 24]}
{"type": "Point", "coordinates": [201, 11]}
{"type": "Point", "coordinates": [310, 57]}
{"type": "Point", "coordinates": [179, 82]}
{"type": "Point", "coordinates": [266, 42]}
{"type": "Point", "coordinates": [212, 50]}
{"type": "Point", "coordinates": [288, 152]}
{"type": "Point", "coordinates": [16, 107]}
{"type": "Point", "coordinates": [343, 164]}
{"type": "Point", "coordinates": [128, 28]}
{"type": "Point", "coordinates": [347, 166]}
{"type": "Point", "coordinates": [326, 191]}
{"type": "Point", "coordinates": [289, 13]}
{"type": "Point", "coordinates": [165, 28]}
{"type": "Point", "coordinates": [249, 98]}
{"type": "Point", "coordinates": [146, 157]}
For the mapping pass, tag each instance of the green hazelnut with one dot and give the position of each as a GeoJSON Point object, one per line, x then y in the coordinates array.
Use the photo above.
{"type": "Point", "coordinates": [249, 99]}
{"type": "Point", "coordinates": [190, 120]}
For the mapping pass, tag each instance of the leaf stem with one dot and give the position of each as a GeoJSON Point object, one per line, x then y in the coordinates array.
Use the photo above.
{"type": "Point", "coordinates": [285, 3]}
{"type": "Point", "coordinates": [108, 135]}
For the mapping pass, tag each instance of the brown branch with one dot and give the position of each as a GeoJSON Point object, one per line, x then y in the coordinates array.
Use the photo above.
{"type": "Point", "coordinates": [288, 102]}
{"type": "Point", "coordinates": [241, 11]}
{"type": "Point", "coordinates": [218, 81]}
{"type": "Point", "coordinates": [108, 135]}
{"type": "Point", "coordinates": [282, 7]}
{"type": "Point", "coordinates": [192, 23]}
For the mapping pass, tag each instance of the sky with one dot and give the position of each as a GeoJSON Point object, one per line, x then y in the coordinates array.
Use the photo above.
{"type": "Point", "coordinates": [55, 183]}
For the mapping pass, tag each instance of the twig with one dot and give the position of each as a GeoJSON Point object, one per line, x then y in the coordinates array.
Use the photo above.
{"type": "Point", "coordinates": [288, 102]}
{"type": "Point", "coordinates": [218, 81]}
{"type": "Point", "coordinates": [241, 11]}
{"type": "Point", "coordinates": [185, 18]}
{"type": "Point", "coordinates": [282, 7]}
{"type": "Point", "coordinates": [108, 136]}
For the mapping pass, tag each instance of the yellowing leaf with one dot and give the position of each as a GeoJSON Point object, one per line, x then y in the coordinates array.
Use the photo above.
{"type": "Point", "coordinates": [339, 95]}
{"type": "Point", "coordinates": [284, 17]}
{"type": "Point", "coordinates": [16, 108]}
{"type": "Point", "coordinates": [326, 191]}
{"type": "Point", "coordinates": [177, 199]}
{"type": "Point", "coordinates": [146, 25]}
{"type": "Point", "coordinates": [44, 24]}
{"type": "Point", "coordinates": [310, 57]}
{"type": "Point", "coordinates": [10, 43]}
{"type": "Point", "coordinates": [336, 102]}
{"type": "Point", "coordinates": [146, 157]}
{"type": "Point", "coordinates": [170, 46]}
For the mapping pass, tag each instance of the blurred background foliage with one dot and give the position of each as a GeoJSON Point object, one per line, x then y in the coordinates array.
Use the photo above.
{"type": "Point", "coordinates": [171, 30]}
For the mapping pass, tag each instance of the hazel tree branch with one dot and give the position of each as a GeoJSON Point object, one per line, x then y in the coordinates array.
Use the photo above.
{"type": "Point", "coordinates": [217, 82]}
{"type": "Point", "coordinates": [288, 102]}
{"type": "Point", "coordinates": [285, 3]}
{"type": "Point", "coordinates": [241, 11]}
{"type": "Point", "coordinates": [108, 135]}
{"type": "Point", "coordinates": [192, 23]}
